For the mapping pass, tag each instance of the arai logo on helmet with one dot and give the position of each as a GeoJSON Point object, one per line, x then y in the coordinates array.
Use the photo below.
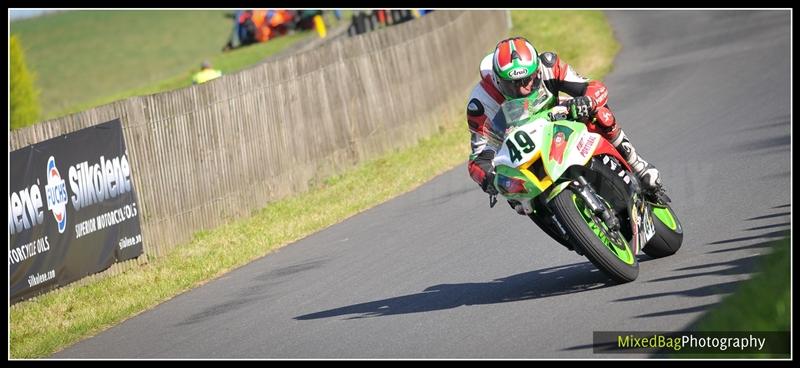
{"type": "Point", "coordinates": [518, 73]}
{"type": "Point", "coordinates": [56, 191]}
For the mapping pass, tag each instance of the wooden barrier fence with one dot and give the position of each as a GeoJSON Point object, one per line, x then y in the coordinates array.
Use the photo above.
{"type": "Point", "coordinates": [209, 153]}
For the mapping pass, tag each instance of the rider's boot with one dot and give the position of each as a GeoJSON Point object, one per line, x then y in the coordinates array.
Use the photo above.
{"type": "Point", "coordinates": [647, 174]}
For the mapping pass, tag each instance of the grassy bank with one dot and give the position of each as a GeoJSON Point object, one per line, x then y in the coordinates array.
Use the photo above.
{"type": "Point", "coordinates": [228, 63]}
{"type": "Point", "coordinates": [83, 55]}
{"type": "Point", "coordinates": [52, 321]}
{"type": "Point", "coordinates": [583, 39]}
{"type": "Point", "coordinates": [762, 303]}
{"type": "Point", "coordinates": [87, 58]}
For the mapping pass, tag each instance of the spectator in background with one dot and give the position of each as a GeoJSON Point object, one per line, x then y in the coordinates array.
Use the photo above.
{"type": "Point", "coordinates": [279, 22]}
{"type": "Point", "coordinates": [363, 22]}
{"type": "Point", "coordinates": [305, 19]}
{"type": "Point", "coordinates": [206, 73]}
{"type": "Point", "coordinates": [261, 25]}
{"type": "Point", "coordinates": [244, 30]}
{"type": "Point", "coordinates": [400, 16]}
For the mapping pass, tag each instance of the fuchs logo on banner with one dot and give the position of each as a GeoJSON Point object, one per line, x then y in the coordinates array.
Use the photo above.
{"type": "Point", "coordinates": [56, 192]}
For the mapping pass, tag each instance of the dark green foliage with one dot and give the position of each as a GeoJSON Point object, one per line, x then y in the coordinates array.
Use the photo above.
{"type": "Point", "coordinates": [24, 95]}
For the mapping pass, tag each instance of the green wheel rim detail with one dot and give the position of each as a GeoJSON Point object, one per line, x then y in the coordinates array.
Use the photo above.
{"type": "Point", "coordinates": [665, 216]}
{"type": "Point", "coordinates": [622, 251]}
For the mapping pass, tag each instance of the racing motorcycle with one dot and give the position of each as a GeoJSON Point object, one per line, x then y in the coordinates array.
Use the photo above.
{"type": "Point", "coordinates": [577, 188]}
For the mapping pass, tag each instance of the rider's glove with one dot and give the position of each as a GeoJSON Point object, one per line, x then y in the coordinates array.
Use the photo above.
{"type": "Point", "coordinates": [484, 161]}
{"type": "Point", "coordinates": [488, 183]}
{"type": "Point", "coordinates": [580, 108]}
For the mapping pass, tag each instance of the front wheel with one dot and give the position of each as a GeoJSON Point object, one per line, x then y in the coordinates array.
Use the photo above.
{"type": "Point", "coordinates": [609, 251]}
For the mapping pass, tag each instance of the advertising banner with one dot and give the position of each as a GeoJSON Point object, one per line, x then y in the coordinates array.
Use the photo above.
{"type": "Point", "coordinates": [72, 209]}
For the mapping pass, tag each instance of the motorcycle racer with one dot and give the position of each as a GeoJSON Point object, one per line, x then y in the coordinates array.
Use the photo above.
{"type": "Point", "coordinates": [516, 70]}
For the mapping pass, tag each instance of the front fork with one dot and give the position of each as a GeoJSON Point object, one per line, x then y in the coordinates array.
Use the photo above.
{"type": "Point", "coordinates": [585, 191]}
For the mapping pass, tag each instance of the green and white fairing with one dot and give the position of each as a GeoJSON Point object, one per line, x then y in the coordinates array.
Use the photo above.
{"type": "Point", "coordinates": [536, 151]}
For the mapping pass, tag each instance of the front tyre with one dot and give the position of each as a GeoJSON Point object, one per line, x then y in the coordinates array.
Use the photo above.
{"type": "Point", "coordinates": [609, 251]}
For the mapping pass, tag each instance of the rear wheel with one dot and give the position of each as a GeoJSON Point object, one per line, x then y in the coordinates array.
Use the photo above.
{"type": "Point", "coordinates": [669, 233]}
{"type": "Point", "coordinates": [606, 249]}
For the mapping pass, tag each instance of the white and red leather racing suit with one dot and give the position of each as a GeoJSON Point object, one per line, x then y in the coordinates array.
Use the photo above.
{"type": "Point", "coordinates": [554, 76]}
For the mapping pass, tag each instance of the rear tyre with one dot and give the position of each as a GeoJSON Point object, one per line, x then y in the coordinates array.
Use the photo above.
{"type": "Point", "coordinates": [669, 233]}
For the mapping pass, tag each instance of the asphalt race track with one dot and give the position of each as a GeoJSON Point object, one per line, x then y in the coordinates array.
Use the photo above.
{"type": "Point", "coordinates": [436, 273]}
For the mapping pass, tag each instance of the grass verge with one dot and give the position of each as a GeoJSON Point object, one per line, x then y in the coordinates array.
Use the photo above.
{"type": "Point", "coordinates": [582, 39]}
{"type": "Point", "coordinates": [762, 303]}
{"type": "Point", "coordinates": [87, 58]}
{"type": "Point", "coordinates": [45, 324]}
{"type": "Point", "coordinates": [228, 63]}
{"type": "Point", "coordinates": [81, 55]}
{"type": "Point", "coordinates": [48, 323]}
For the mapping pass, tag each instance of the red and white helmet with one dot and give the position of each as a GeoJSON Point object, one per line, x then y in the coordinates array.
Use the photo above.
{"type": "Point", "coordinates": [515, 63]}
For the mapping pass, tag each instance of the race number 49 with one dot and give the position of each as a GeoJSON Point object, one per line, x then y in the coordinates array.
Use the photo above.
{"type": "Point", "coordinates": [523, 142]}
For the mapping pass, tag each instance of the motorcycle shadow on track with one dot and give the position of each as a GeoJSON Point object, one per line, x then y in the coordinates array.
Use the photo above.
{"type": "Point", "coordinates": [544, 283]}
